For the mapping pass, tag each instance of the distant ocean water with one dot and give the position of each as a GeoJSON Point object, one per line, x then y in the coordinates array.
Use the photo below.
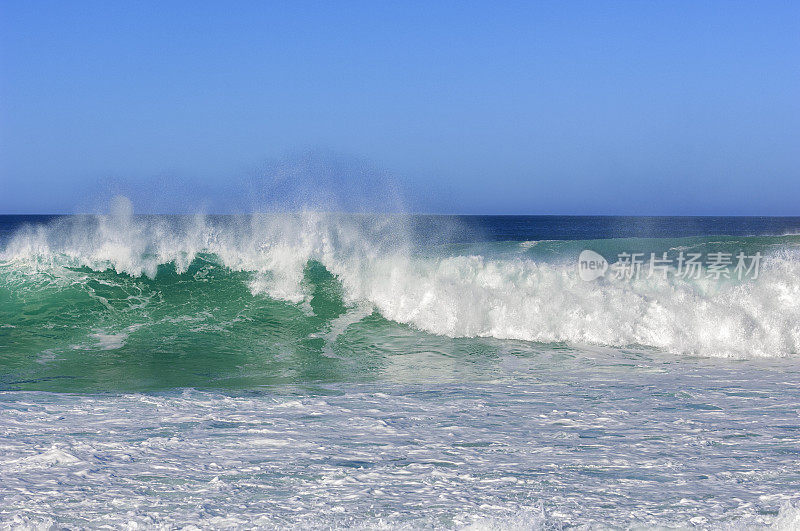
{"type": "Point", "coordinates": [327, 370]}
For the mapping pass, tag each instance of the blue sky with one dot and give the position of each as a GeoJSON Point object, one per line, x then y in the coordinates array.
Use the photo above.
{"type": "Point", "coordinates": [463, 107]}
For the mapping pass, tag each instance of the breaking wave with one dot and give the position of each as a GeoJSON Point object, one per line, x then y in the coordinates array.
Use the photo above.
{"type": "Point", "coordinates": [501, 290]}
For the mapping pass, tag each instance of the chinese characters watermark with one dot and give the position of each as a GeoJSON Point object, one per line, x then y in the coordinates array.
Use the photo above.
{"type": "Point", "coordinates": [689, 266]}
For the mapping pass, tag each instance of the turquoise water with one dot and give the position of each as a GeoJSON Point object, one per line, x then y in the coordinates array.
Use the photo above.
{"type": "Point", "coordinates": [348, 370]}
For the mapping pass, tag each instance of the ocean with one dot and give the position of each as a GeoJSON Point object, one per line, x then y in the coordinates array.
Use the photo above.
{"type": "Point", "coordinates": [327, 370]}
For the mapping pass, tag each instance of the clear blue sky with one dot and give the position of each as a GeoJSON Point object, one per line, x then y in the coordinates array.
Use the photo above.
{"type": "Point", "coordinates": [597, 107]}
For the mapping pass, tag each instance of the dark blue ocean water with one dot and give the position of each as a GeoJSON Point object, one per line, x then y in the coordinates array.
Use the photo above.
{"type": "Point", "coordinates": [522, 228]}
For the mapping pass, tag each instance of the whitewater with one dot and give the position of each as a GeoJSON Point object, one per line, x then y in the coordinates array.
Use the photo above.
{"type": "Point", "coordinates": [323, 369]}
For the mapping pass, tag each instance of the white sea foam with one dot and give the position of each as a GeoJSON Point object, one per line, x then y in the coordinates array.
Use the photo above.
{"type": "Point", "coordinates": [509, 454]}
{"type": "Point", "coordinates": [788, 518]}
{"type": "Point", "coordinates": [475, 295]}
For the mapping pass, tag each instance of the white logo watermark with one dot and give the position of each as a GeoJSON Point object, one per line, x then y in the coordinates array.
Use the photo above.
{"type": "Point", "coordinates": [690, 266]}
{"type": "Point", "coordinates": [591, 265]}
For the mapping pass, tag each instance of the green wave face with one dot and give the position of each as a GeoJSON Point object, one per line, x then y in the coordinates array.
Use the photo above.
{"type": "Point", "coordinates": [86, 330]}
